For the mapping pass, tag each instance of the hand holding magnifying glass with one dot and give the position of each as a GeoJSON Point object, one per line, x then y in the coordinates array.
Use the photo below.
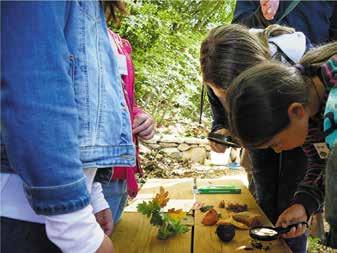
{"type": "Point", "coordinates": [265, 233]}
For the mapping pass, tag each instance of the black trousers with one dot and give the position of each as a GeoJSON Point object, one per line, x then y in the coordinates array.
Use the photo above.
{"type": "Point", "coordinates": [25, 237]}
{"type": "Point", "coordinates": [276, 179]}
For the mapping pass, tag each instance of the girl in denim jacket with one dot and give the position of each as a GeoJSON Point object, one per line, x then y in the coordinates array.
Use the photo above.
{"type": "Point", "coordinates": [119, 182]}
{"type": "Point", "coordinates": [63, 116]}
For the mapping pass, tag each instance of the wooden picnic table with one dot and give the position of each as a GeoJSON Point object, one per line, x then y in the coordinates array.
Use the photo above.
{"type": "Point", "coordinates": [134, 234]}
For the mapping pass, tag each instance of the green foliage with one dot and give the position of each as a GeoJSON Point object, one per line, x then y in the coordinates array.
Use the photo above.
{"type": "Point", "coordinates": [170, 228]}
{"type": "Point", "coordinates": [156, 218]}
{"type": "Point", "coordinates": [168, 225]}
{"type": "Point", "coordinates": [166, 37]}
{"type": "Point", "coordinates": [147, 208]}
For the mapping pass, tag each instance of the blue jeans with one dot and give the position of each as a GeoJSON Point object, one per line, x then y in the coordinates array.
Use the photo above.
{"type": "Point", "coordinates": [116, 195]}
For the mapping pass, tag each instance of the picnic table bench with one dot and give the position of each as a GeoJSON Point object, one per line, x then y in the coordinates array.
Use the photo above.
{"type": "Point", "coordinates": [134, 234]}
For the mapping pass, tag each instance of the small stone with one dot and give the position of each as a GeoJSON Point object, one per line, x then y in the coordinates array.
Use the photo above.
{"type": "Point", "coordinates": [178, 172]}
{"type": "Point", "coordinates": [168, 144]}
{"type": "Point", "coordinates": [197, 155]}
{"type": "Point", "coordinates": [226, 233]}
{"type": "Point", "coordinates": [171, 138]}
{"type": "Point", "coordinates": [183, 147]}
{"type": "Point", "coordinates": [172, 152]}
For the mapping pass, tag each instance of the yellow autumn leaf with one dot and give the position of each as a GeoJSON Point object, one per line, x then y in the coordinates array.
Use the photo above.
{"type": "Point", "coordinates": [176, 214]}
{"type": "Point", "coordinates": [161, 198]}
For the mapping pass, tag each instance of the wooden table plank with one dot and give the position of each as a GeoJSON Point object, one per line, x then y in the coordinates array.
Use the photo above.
{"type": "Point", "coordinates": [205, 239]}
{"type": "Point", "coordinates": [134, 234]}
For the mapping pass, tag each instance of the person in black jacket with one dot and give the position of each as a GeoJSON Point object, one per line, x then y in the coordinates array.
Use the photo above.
{"type": "Point", "coordinates": [316, 19]}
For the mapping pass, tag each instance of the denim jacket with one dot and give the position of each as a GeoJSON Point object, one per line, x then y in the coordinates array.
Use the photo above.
{"type": "Point", "coordinates": [62, 104]}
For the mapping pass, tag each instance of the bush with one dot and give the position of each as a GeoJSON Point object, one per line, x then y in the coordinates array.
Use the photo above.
{"type": "Point", "coordinates": [166, 37]}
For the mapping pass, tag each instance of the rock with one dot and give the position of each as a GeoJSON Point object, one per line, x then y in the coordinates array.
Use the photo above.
{"type": "Point", "coordinates": [171, 138]}
{"type": "Point", "coordinates": [168, 144]}
{"type": "Point", "coordinates": [143, 148]}
{"type": "Point", "coordinates": [193, 140]}
{"type": "Point", "coordinates": [153, 146]}
{"type": "Point", "coordinates": [154, 140]}
{"type": "Point", "coordinates": [178, 172]}
{"type": "Point", "coordinates": [172, 152]}
{"type": "Point", "coordinates": [206, 146]}
{"type": "Point", "coordinates": [195, 155]}
{"type": "Point", "coordinates": [159, 156]}
{"type": "Point", "coordinates": [225, 232]}
{"type": "Point", "coordinates": [183, 147]}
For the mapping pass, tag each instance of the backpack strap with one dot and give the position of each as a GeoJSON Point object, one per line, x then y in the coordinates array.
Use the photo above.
{"type": "Point", "coordinates": [290, 8]}
{"type": "Point", "coordinates": [285, 56]}
{"type": "Point", "coordinates": [202, 98]}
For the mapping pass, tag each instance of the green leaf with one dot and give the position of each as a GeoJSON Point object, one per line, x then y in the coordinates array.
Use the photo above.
{"type": "Point", "coordinates": [156, 219]}
{"type": "Point", "coordinates": [147, 208]}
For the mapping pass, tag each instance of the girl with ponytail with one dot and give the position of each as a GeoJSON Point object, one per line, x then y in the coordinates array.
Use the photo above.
{"type": "Point", "coordinates": [272, 105]}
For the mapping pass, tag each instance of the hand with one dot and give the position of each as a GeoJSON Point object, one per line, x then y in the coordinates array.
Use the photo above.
{"type": "Point", "coordinates": [293, 214]}
{"type": "Point", "coordinates": [269, 8]}
{"type": "Point", "coordinates": [106, 246]}
{"type": "Point", "coordinates": [143, 126]}
{"type": "Point", "coordinates": [218, 147]}
{"type": "Point", "coordinates": [104, 219]}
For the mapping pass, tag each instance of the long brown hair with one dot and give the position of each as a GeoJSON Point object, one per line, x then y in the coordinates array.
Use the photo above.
{"type": "Point", "coordinates": [114, 10]}
{"type": "Point", "coordinates": [230, 49]}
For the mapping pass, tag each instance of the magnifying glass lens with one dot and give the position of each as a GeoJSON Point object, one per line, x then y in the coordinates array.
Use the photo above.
{"type": "Point", "coordinates": [263, 233]}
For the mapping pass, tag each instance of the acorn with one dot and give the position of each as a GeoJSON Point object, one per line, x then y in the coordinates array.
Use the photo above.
{"type": "Point", "coordinates": [225, 232]}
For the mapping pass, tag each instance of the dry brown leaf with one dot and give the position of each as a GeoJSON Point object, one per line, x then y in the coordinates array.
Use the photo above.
{"type": "Point", "coordinates": [235, 223]}
{"type": "Point", "coordinates": [161, 197]}
{"type": "Point", "coordinates": [176, 214]}
{"type": "Point", "coordinates": [248, 218]}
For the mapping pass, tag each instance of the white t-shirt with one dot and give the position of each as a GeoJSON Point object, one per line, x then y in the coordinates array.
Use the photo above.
{"type": "Point", "coordinates": [73, 232]}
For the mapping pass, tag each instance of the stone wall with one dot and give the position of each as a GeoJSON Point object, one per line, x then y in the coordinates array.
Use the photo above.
{"type": "Point", "coordinates": [186, 148]}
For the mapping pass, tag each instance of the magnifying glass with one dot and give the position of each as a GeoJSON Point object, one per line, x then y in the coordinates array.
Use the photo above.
{"type": "Point", "coordinates": [222, 139]}
{"type": "Point", "coordinates": [263, 233]}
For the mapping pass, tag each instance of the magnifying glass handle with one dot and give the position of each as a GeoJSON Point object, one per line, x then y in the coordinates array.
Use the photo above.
{"type": "Point", "coordinates": [282, 230]}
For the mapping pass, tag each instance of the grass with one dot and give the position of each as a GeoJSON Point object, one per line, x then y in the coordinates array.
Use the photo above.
{"type": "Point", "coordinates": [314, 246]}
